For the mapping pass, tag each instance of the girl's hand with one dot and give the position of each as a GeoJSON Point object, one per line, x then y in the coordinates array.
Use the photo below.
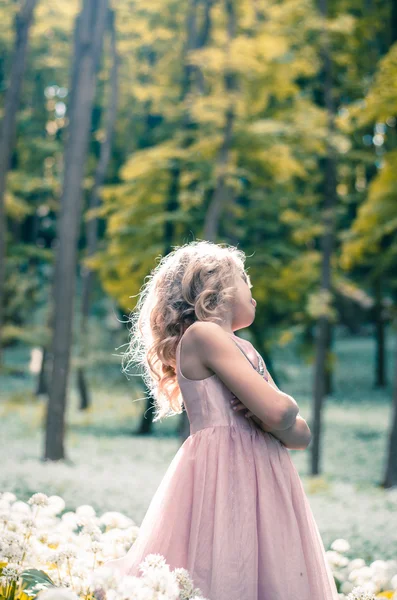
{"type": "Point", "coordinates": [237, 405]}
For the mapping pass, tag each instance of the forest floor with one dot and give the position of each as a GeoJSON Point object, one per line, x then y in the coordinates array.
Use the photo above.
{"type": "Point", "coordinates": [112, 469]}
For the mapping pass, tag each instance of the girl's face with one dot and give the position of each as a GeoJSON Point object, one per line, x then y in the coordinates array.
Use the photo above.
{"type": "Point", "coordinates": [243, 312]}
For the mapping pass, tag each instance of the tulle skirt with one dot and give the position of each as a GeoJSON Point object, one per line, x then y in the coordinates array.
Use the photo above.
{"type": "Point", "coordinates": [231, 509]}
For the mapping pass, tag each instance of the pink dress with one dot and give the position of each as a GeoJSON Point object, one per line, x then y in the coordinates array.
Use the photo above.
{"type": "Point", "coordinates": [231, 508]}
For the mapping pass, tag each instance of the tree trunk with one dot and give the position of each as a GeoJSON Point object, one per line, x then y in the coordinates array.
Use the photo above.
{"type": "Point", "coordinates": [322, 334]}
{"type": "Point", "coordinates": [90, 26]}
{"type": "Point", "coordinates": [390, 478]}
{"type": "Point", "coordinates": [380, 358]}
{"type": "Point", "coordinates": [328, 361]}
{"type": "Point", "coordinates": [23, 22]}
{"type": "Point", "coordinates": [42, 387]}
{"type": "Point", "coordinates": [88, 275]}
{"type": "Point", "coordinates": [222, 191]}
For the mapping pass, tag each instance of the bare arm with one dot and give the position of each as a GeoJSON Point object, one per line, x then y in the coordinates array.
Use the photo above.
{"type": "Point", "coordinates": [216, 351]}
{"type": "Point", "coordinates": [296, 437]}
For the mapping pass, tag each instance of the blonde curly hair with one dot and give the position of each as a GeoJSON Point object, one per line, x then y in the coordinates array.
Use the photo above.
{"type": "Point", "coordinates": [194, 282]}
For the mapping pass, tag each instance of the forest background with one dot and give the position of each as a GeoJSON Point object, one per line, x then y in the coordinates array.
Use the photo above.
{"type": "Point", "coordinates": [128, 128]}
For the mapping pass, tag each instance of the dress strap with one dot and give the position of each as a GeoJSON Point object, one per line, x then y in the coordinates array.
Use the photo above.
{"type": "Point", "coordinates": [261, 365]}
{"type": "Point", "coordinates": [245, 354]}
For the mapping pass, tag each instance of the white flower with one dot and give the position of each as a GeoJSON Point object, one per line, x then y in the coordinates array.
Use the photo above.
{"type": "Point", "coordinates": [365, 573]}
{"type": "Point", "coordinates": [113, 519]}
{"type": "Point", "coordinates": [13, 546]}
{"type": "Point", "coordinates": [57, 593]}
{"type": "Point", "coordinates": [96, 547]}
{"type": "Point", "coordinates": [360, 593]}
{"type": "Point", "coordinates": [161, 579]}
{"type": "Point", "coordinates": [38, 500]}
{"type": "Point", "coordinates": [340, 545]}
{"type": "Point", "coordinates": [134, 587]}
{"type": "Point", "coordinates": [68, 551]}
{"type": "Point", "coordinates": [186, 586]}
{"type": "Point", "coordinates": [152, 560]}
{"type": "Point", "coordinates": [7, 498]}
{"type": "Point", "coordinates": [12, 571]}
{"type": "Point", "coordinates": [28, 522]}
{"type": "Point", "coordinates": [356, 563]}
{"type": "Point", "coordinates": [89, 528]}
{"type": "Point", "coordinates": [56, 504]}
{"type": "Point", "coordinates": [103, 578]}
{"type": "Point", "coordinates": [4, 517]}
{"type": "Point", "coordinates": [20, 507]}
{"type": "Point", "coordinates": [335, 559]}
{"type": "Point", "coordinates": [85, 511]}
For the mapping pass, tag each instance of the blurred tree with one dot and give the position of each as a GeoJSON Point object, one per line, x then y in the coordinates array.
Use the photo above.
{"type": "Point", "coordinates": [89, 33]}
{"type": "Point", "coordinates": [223, 192]}
{"type": "Point", "coordinates": [22, 24]}
{"type": "Point", "coordinates": [93, 203]}
{"type": "Point", "coordinates": [372, 237]}
{"type": "Point", "coordinates": [33, 181]}
{"type": "Point", "coordinates": [323, 329]}
{"type": "Point", "coordinates": [170, 138]}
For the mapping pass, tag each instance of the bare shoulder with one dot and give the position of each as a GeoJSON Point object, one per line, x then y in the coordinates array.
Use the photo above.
{"type": "Point", "coordinates": [206, 333]}
{"type": "Point", "coordinates": [200, 341]}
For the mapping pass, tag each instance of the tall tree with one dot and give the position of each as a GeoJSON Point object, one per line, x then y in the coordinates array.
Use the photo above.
{"type": "Point", "coordinates": [23, 22]}
{"type": "Point", "coordinates": [223, 192]}
{"type": "Point", "coordinates": [89, 33]}
{"type": "Point", "coordinates": [323, 326]}
{"type": "Point", "coordinates": [88, 275]}
{"type": "Point", "coordinates": [372, 237]}
{"type": "Point", "coordinates": [390, 477]}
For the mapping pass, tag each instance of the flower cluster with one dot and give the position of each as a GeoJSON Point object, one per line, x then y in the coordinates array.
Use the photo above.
{"type": "Point", "coordinates": [49, 553]}
{"type": "Point", "coordinates": [357, 581]}
{"type": "Point", "coordinates": [52, 554]}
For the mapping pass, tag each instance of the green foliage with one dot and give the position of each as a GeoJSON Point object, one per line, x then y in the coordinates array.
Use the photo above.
{"type": "Point", "coordinates": [170, 130]}
{"type": "Point", "coordinates": [32, 578]}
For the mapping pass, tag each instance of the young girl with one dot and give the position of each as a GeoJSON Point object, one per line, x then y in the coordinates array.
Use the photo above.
{"type": "Point", "coordinates": [231, 508]}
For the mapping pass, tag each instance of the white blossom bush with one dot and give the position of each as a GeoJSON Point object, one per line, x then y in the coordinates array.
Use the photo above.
{"type": "Point", "coordinates": [357, 581]}
{"type": "Point", "coordinates": [49, 554]}
{"type": "Point", "coordinates": [51, 557]}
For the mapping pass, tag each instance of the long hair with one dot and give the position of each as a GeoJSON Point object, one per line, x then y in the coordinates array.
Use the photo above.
{"type": "Point", "coordinates": [194, 282]}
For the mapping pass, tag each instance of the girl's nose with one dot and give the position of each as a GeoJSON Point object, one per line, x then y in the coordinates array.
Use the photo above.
{"type": "Point", "coordinates": [253, 301]}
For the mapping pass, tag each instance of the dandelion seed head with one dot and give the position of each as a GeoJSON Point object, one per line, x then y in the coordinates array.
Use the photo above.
{"type": "Point", "coordinates": [4, 517]}
{"type": "Point", "coordinates": [85, 511]}
{"type": "Point", "coordinates": [28, 522]}
{"type": "Point", "coordinates": [360, 593]}
{"type": "Point", "coordinates": [12, 571]}
{"type": "Point", "coordinates": [340, 545]}
{"type": "Point", "coordinates": [68, 551]}
{"type": "Point", "coordinates": [186, 586]}
{"type": "Point", "coordinates": [153, 560]}
{"type": "Point", "coordinates": [96, 547]}
{"type": "Point", "coordinates": [57, 593]}
{"type": "Point", "coordinates": [38, 499]}
{"type": "Point", "coordinates": [91, 529]}
{"type": "Point", "coordinates": [7, 498]}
